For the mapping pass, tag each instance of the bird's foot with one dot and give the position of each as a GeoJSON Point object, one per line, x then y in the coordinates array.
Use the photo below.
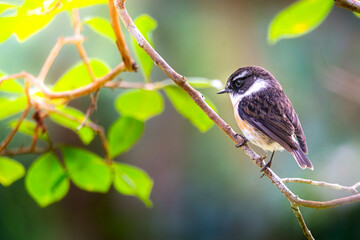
{"type": "Point", "coordinates": [267, 165]}
{"type": "Point", "coordinates": [245, 140]}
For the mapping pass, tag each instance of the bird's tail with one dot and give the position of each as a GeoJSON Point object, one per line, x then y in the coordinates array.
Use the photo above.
{"type": "Point", "coordinates": [301, 159]}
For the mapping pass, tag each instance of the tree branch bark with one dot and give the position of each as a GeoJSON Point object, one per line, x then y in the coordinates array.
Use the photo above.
{"type": "Point", "coordinates": [352, 5]}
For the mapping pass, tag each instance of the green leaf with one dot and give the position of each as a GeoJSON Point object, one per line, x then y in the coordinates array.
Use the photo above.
{"type": "Point", "coordinates": [199, 82]}
{"type": "Point", "coordinates": [10, 86]}
{"type": "Point", "coordinates": [71, 4]}
{"type": "Point", "coordinates": [188, 108]}
{"type": "Point", "coordinates": [102, 27]}
{"type": "Point", "coordinates": [10, 171]}
{"type": "Point", "coordinates": [140, 104]}
{"type": "Point", "coordinates": [298, 19]}
{"type": "Point", "coordinates": [357, 14]}
{"type": "Point", "coordinates": [146, 26]}
{"type": "Point", "coordinates": [4, 7]}
{"type": "Point", "coordinates": [87, 170]}
{"type": "Point", "coordinates": [10, 106]}
{"type": "Point", "coordinates": [133, 181]}
{"type": "Point", "coordinates": [78, 75]}
{"type": "Point", "coordinates": [123, 134]}
{"type": "Point", "coordinates": [72, 118]}
{"type": "Point", "coordinates": [46, 180]}
{"type": "Point", "coordinates": [7, 27]}
{"type": "Point", "coordinates": [28, 128]}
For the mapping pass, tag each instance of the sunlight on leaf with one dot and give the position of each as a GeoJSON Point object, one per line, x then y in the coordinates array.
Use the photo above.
{"type": "Point", "coordinates": [28, 127]}
{"type": "Point", "coordinates": [123, 134]}
{"type": "Point", "coordinates": [46, 180]}
{"type": "Point", "coordinates": [102, 27]}
{"type": "Point", "coordinates": [87, 170]}
{"type": "Point", "coordinates": [133, 181]}
{"type": "Point", "coordinates": [10, 107]}
{"type": "Point", "coordinates": [72, 118]}
{"type": "Point", "coordinates": [10, 171]}
{"type": "Point", "coordinates": [140, 104]}
{"type": "Point", "coordinates": [146, 26]}
{"type": "Point", "coordinates": [71, 4]}
{"type": "Point", "coordinates": [78, 75]}
{"type": "Point", "coordinates": [188, 108]}
{"type": "Point", "coordinates": [298, 19]}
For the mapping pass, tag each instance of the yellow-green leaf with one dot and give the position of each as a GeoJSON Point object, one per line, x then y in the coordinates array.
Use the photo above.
{"type": "Point", "coordinates": [298, 19]}
{"type": "Point", "coordinates": [4, 7]}
{"type": "Point", "coordinates": [28, 128]}
{"type": "Point", "coordinates": [133, 181]}
{"type": "Point", "coordinates": [102, 27]}
{"type": "Point", "coordinates": [87, 170]}
{"type": "Point", "coordinates": [72, 118]}
{"type": "Point", "coordinates": [79, 76]}
{"type": "Point", "coordinates": [10, 171]}
{"type": "Point", "coordinates": [140, 104]}
{"type": "Point", "coordinates": [10, 86]}
{"type": "Point", "coordinates": [123, 134]}
{"type": "Point", "coordinates": [11, 106]}
{"type": "Point", "coordinates": [188, 108]}
{"type": "Point", "coordinates": [71, 4]}
{"type": "Point", "coordinates": [46, 180]}
{"type": "Point", "coordinates": [146, 26]}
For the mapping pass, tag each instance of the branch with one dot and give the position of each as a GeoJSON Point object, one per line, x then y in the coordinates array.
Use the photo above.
{"type": "Point", "coordinates": [335, 186]}
{"type": "Point", "coordinates": [352, 5]}
{"type": "Point", "coordinates": [301, 221]}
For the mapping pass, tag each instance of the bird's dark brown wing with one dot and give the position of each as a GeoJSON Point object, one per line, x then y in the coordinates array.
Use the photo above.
{"type": "Point", "coordinates": [271, 112]}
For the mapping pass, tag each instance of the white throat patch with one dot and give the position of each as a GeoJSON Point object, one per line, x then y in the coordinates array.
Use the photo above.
{"type": "Point", "coordinates": [256, 87]}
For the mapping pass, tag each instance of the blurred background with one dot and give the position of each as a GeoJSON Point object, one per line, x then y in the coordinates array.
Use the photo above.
{"type": "Point", "coordinates": [205, 188]}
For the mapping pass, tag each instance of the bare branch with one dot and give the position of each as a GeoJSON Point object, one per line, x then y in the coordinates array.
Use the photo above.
{"type": "Point", "coordinates": [335, 186]}
{"type": "Point", "coordinates": [352, 5]}
{"type": "Point", "coordinates": [301, 221]}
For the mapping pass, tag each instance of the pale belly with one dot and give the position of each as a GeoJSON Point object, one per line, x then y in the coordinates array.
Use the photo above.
{"type": "Point", "coordinates": [257, 137]}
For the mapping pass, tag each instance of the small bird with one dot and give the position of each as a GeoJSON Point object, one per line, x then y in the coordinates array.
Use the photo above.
{"type": "Point", "coordinates": [265, 114]}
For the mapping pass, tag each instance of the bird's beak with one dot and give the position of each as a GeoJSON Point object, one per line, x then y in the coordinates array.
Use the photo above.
{"type": "Point", "coordinates": [223, 91]}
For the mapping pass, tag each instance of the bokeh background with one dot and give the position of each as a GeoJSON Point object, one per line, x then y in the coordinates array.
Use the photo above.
{"type": "Point", "coordinates": [204, 188]}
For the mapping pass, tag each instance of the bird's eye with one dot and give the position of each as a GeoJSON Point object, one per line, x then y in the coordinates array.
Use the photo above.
{"type": "Point", "coordinates": [238, 83]}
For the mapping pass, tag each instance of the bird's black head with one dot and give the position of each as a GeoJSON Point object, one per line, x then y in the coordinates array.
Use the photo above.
{"type": "Point", "coordinates": [243, 78]}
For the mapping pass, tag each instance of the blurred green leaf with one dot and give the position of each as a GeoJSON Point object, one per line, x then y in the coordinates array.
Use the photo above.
{"type": "Point", "coordinates": [10, 171]}
{"type": "Point", "coordinates": [46, 180]}
{"type": "Point", "coordinates": [4, 7]}
{"type": "Point", "coordinates": [78, 75]}
{"type": "Point", "coordinates": [87, 170]}
{"type": "Point", "coordinates": [357, 15]}
{"type": "Point", "coordinates": [11, 106]}
{"type": "Point", "coordinates": [28, 127]}
{"type": "Point", "coordinates": [7, 27]}
{"type": "Point", "coordinates": [10, 86]}
{"type": "Point", "coordinates": [73, 121]}
{"type": "Point", "coordinates": [70, 4]}
{"type": "Point", "coordinates": [298, 19]}
{"type": "Point", "coordinates": [188, 108]}
{"type": "Point", "coordinates": [140, 104]}
{"type": "Point", "coordinates": [123, 134]}
{"type": "Point", "coordinates": [146, 26]}
{"type": "Point", "coordinates": [133, 181]}
{"type": "Point", "coordinates": [199, 82]}
{"type": "Point", "coordinates": [102, 27]}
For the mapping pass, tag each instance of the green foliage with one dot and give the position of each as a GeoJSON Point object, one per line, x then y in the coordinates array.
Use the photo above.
{"type": "Point", "coordinates": [87, 170]}
{"type": "Point", "coordinates": [35, 15]}
{"type": "Point", "coordinates": [10, 86]}
{"type": "Point", "coordinates": [199, 82]}
{"type": "Point", "coordinates": [11, 106]}
{"type": "Point", "coordinates": [10, 171]}
{"type": "Point", "coordinates": [123, 134]}
{"type": "Point", "coordinates": [46, 180]}
{"type": "Point", "coordinates": [133, 181]}
{"type": "Point", "coordinates": [28, 128]}
{"type": "Point", "coordinates": [61, 117]}
{"type": "Point", "coordinates": [102, 27]}
{"type": "Point", "coordinates": [4, 7]}
{"type": "Point", "coordinates": [188, 108]}
{"type": "Point", "coordinates": [298, 19]}
{"type": "Point", "coordinates": [146, 26]}
{"type": "Point", "coordinates": [140, 104]}
{"type": "Point", "coordinates": [79, 76]}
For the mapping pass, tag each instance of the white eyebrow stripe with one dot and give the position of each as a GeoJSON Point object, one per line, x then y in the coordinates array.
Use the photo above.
{"type": "Point", "coordinates": [243, 74]}
{"type": "Point", "coordinates": [257, 86]}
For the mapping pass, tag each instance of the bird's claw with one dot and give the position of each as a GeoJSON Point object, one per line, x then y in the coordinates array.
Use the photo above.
{"type": "Point", "coordinates": [245, 140]}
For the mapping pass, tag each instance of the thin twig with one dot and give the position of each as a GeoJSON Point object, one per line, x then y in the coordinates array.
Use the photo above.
{"type": "Point", "coordinates": [21, 151]}
{"type": "Point", "coordinates": [335, 186]}
{"type": "Point", "coordinates": [352, 5]}
{"type": "Point", "coordinates": [301, 221]}
{"type": "Point", "coordinates": [120, 40]}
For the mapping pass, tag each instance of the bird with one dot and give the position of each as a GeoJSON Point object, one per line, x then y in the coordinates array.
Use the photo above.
{"type": "Point", "coordinates": [265, 114]}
